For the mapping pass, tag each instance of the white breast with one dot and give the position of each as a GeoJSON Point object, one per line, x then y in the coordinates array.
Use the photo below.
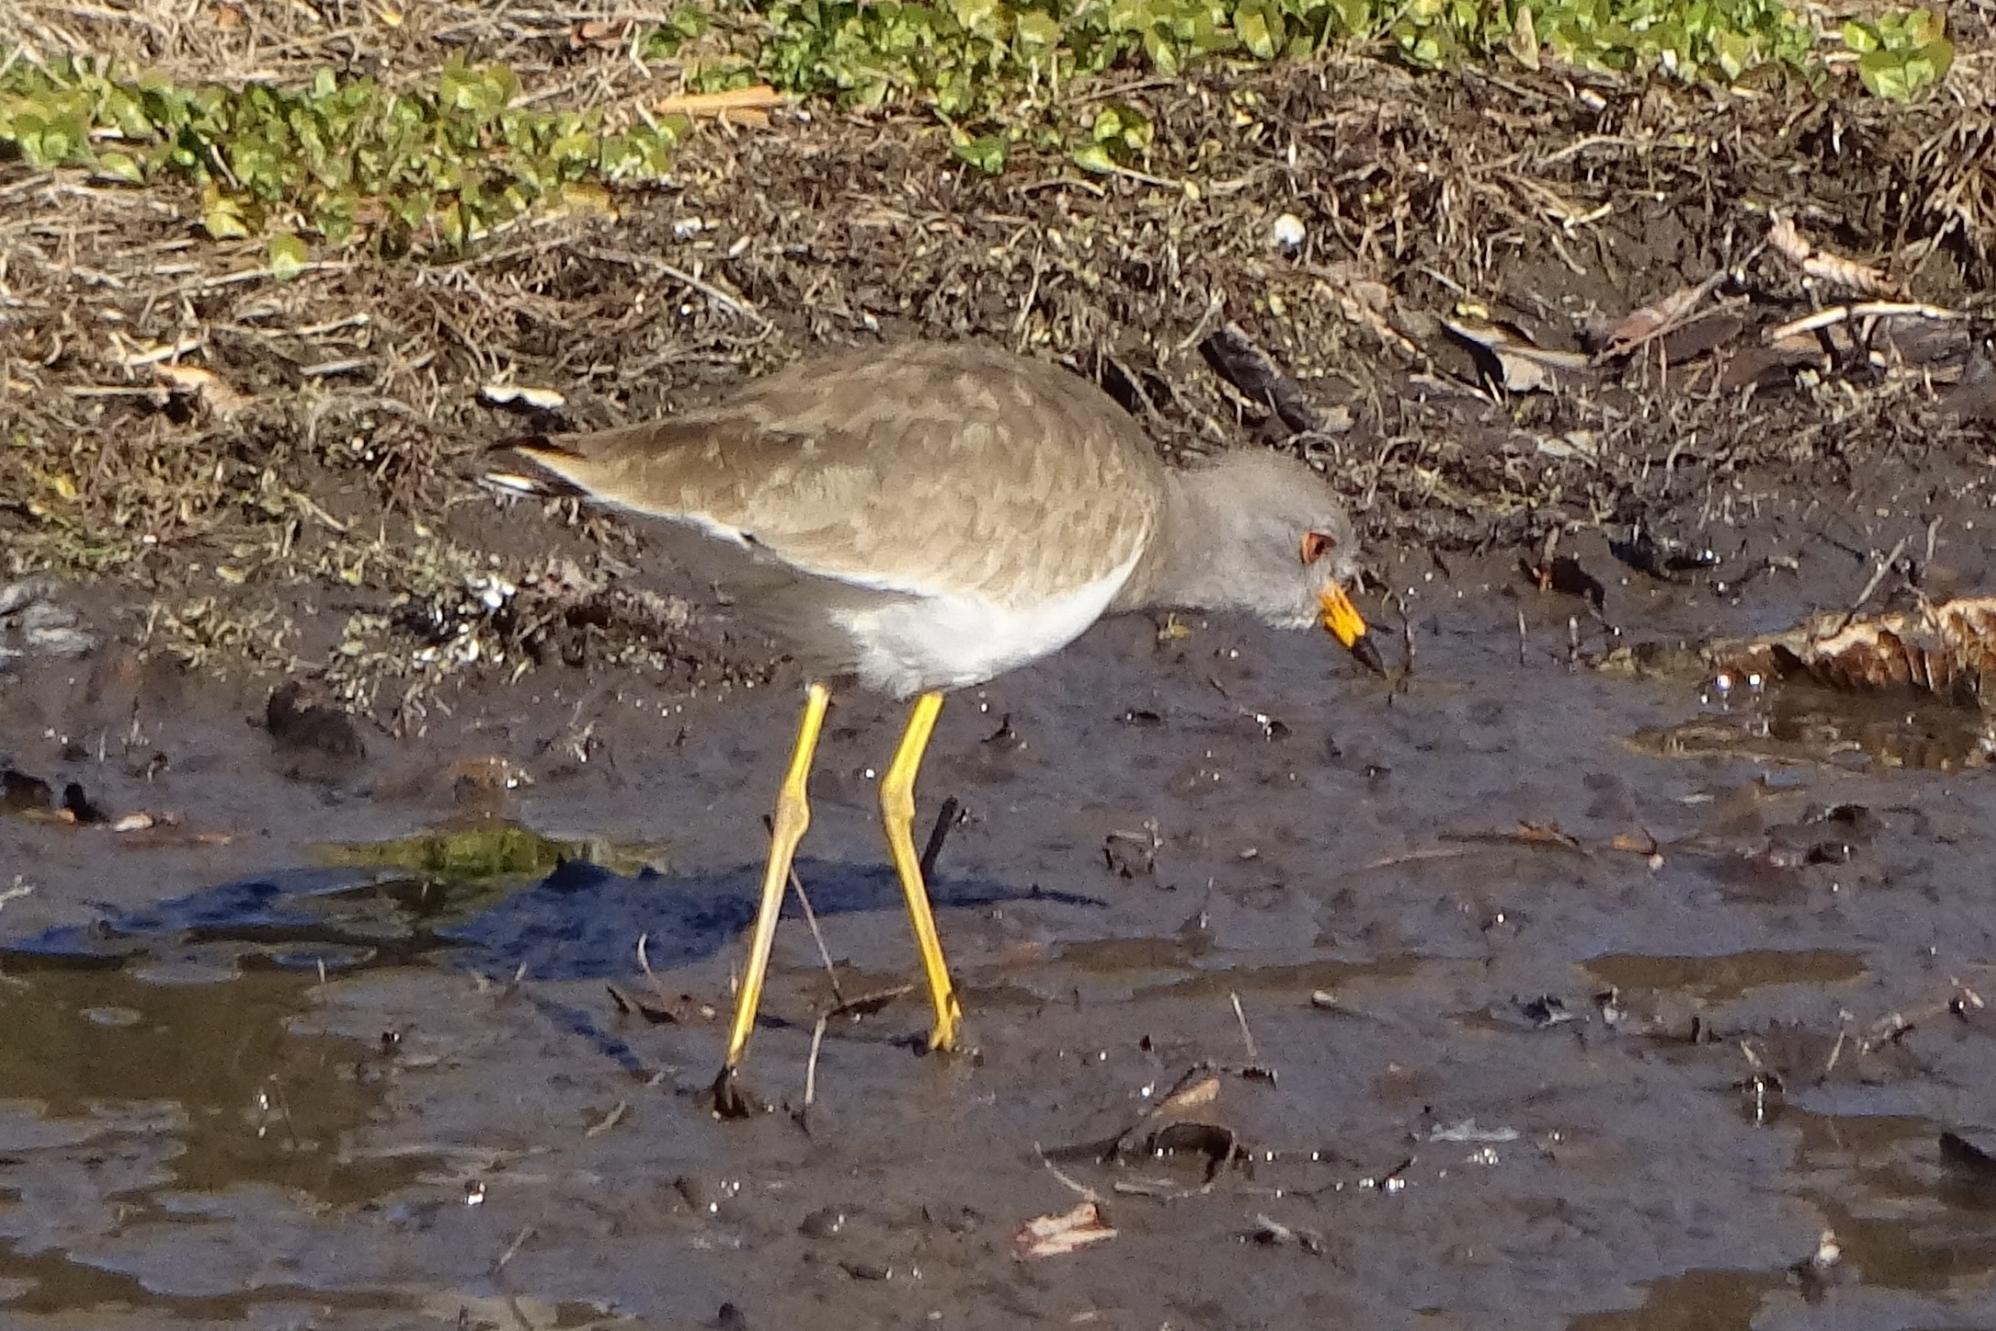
{"type": "Point", "coordinates": [948, 641]}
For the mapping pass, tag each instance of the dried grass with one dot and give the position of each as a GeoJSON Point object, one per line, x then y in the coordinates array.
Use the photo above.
{"type": "Point", "coordinates": [330, 470]}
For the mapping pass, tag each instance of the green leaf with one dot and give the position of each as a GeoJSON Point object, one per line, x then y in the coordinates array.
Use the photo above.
{"type": "Point", "coordinates": [986, 153]}
{"type": "Point", "coordinates": [1259, 25]}
{"type": "Point", "coordinates": [1037, 29]}
{"type": "Point", "coordinates": [975, 15]}
{"type": "Point", "coordinates": [1938, 55]}
{"type": "Point", "coordinates": [1355, 18]}
{"type": "Point", "coordinates": [1129, 15]}
{"type": "Point", "coordinates": [288, 256]}
{"type": "Point", "coordinates": [120, 166]}
{"type": "Point", "coordinates": [1735, 53]}
{"type": "Point", "coordinates": [1883, 74]}
{"type": "Point", "coordinates": [223, 219]}
{"type": "Point", "coordinates": [1095, 157]}
{"type": "Point", "coordinates": [1120, 124]}
{"type": "Point", "coordinates": [1210, 38]}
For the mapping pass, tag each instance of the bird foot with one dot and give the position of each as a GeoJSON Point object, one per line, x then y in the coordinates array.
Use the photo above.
{"type": "Point", "coordinates": [947, 1033]}
{"type": "Point", "coordinates": [732, 1100]}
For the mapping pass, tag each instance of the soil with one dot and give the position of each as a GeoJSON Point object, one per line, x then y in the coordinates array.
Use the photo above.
{"type": "Point", "coordinates": [1531, 993]}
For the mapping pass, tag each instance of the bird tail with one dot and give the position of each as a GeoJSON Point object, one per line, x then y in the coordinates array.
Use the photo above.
{"type": "Point", "coordinates": [528, 466]}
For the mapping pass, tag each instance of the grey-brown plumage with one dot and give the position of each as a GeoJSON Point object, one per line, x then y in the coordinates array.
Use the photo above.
{"type": "Point", "coordinates": [927, 516]}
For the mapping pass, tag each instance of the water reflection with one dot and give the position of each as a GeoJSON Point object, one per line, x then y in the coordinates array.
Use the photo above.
{"type": "Point", "coordinates": [1807, 725]}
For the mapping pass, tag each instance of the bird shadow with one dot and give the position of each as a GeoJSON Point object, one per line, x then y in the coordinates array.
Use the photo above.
{"type": "Point", "coordinates": [579, 922]}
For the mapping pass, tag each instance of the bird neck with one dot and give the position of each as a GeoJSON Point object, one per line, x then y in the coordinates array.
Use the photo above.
{"type": "Point", "coordinates": [1193, 550]}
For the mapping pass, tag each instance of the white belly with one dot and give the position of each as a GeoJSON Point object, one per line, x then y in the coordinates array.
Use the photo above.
{"type": "Point", "coordinates": [947, 642]}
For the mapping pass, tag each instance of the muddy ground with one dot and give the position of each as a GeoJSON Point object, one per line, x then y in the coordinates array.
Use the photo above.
{"type": "Point", "coordinates": [1533, 994]}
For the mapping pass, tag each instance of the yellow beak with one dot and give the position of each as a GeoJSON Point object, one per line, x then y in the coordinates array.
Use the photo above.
{"type": "Point", "coordinates": [1342, 621]}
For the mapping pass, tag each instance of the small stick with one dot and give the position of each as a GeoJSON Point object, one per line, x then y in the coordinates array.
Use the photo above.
{"type": "Point", "coordinates": [1836, 1052]}
{"type": "Point", "coordinates": [1878, 575]}
{"type": "Point", "coordinates": [1406, 636]}
{"type": "Point", "coordinates": [817, 936]}
{"type": "Point", "coordinates": [1417, 856]}
{"type": "Point", "coordinates": [1080, 1188]}
{"type": "Point", "coordinates": [644, 964]}
{"type": "Point", "coordinates": [1837, 314]}
{"type": "Point", "coordinates": [945, 819]}
{"type": "Point", "coordinates": [1521, 635]}
{"type": "Point", "coordinates": [1247, 1036]}
{"type": "Point", "coordinates": [732, 304]}
{"type": "Point", "coordinates": [811, 1067]}
{"type": "Point", "coordinates": [513, 1249]}
{"type": "Point", "coordinates": [878, 998]}
{"type": "Point", "coordinates": [811, 918]}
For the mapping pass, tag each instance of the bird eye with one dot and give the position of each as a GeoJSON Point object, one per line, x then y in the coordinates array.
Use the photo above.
{"type": "Point", "coordinates": [1316, 545]}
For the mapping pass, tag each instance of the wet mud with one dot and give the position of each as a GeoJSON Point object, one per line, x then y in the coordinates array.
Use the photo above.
{"type": "Point", "coordinates": [1499, 1008]}
{"type": "Point", "coordinates": [1542, 986]}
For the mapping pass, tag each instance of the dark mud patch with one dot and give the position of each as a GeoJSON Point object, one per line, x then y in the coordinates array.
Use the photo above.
{"type": "Point", "coordinates": [1505, 1013]}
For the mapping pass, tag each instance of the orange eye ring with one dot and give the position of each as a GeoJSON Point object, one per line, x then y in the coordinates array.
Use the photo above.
{"type": "Point", "coordinates": [1316, 545]}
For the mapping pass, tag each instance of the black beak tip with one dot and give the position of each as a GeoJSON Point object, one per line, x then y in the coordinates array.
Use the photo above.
{"type": "Point", "coordinates": [1367, 652]}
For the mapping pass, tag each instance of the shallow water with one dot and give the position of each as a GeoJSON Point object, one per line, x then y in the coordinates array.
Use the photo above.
{"type": "Point", "coordinates": [1541, 1022]}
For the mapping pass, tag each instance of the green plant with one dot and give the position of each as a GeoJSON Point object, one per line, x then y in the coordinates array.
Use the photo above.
{"type": "Point", "coordinates": [1902, 54]}
{"type": "Point", "coordinates": [341, 158]}
{"type": "Point", "coordinates": [992, 68]}
{"type": "Point", "coordinates": [338, 158]}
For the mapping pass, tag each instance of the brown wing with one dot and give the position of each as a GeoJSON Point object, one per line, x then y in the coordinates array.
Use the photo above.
{"type": "Point", "coordinates": [923, 469]}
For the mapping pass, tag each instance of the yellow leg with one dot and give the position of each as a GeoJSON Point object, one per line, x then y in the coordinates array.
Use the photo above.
{"type": "Point", "coordinates": [793, 815]}
{"type": "Point", "coordinates": [897, 814]}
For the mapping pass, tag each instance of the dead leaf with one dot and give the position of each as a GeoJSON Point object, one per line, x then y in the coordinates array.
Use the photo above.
{"type": "Point", "coordinates": [1254, 373]}
{"type": "Point", "coordinates": [1634, 843]}
{"type": "Point", "coordinates": [746, 106]}
{"type": "Point", "coordinates": [1365, 300]}
{"type": "Point", "coordinates": [207, 388]}
{"type": "Point", "coordinates": [1511, 359]}
{"type": "Point", "coordinates": [1639, 327]}
{"type": "Point", "coordinates": [520, 395]}
{"type": "Point", "coordinates": [1946, 649]}
{"type": "Point", "coordinates": [1213, 1145]}
{"type": "Point", "coordinates": [1169, 1129]}
{"type": "Point", "coordinates": [1196, 1092]}
{"type": "Point", "coordinates": [1787, 241]}
{"type": "Point", "coordinates": [1543, 834]}
{"type": "Point", "coordinates": [598, 32]}
{"type": "Point", "coordinates": [1057, 1235]}
{"type": "Point", "coordinates": [657, 1014]}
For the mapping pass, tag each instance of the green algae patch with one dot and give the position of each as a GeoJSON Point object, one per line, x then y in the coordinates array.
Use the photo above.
{"type": "Point", "coordinates": [489, 850]}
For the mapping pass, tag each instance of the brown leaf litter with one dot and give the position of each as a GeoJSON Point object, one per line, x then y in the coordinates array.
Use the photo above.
{"type": "Point", "coordinates": [1945, 649]}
